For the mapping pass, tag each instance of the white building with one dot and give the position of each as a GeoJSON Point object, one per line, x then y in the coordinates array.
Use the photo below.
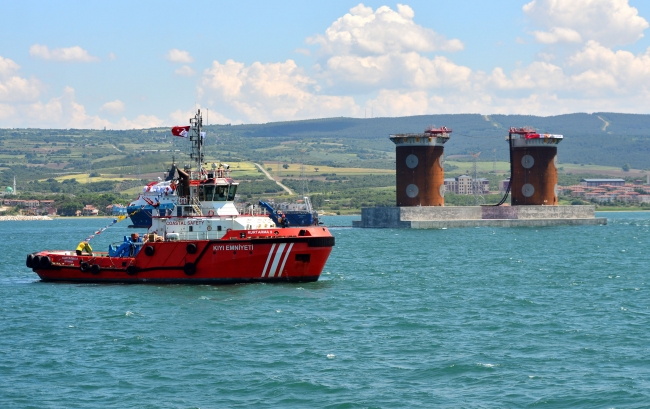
{"type": "Point", "coordinates": [463, 185]}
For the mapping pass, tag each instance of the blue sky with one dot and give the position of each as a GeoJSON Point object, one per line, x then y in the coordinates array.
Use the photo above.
{"type": "Point", "coordinates": [125, 65]}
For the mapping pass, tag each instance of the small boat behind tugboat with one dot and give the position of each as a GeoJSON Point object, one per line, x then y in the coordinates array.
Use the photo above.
{"type": "Point", "coordinates": [289, 214]}
{"type": "Point", "coordinates": [161, 195]}
{"type": "Point", "coordinates": [202, 240]}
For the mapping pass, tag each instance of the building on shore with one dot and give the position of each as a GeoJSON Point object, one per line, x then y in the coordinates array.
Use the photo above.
{"type": "Point", "coordinates": [600, 182]}
{"type": "Point", "coordinates": [466, 185]}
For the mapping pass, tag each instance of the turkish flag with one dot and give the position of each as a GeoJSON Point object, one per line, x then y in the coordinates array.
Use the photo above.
{"type": "Point", "coordinates": [180, 131]}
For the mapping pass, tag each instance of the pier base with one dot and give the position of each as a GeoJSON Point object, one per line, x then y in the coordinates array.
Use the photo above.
{"type": "Point", "coordinates": [435, 217]}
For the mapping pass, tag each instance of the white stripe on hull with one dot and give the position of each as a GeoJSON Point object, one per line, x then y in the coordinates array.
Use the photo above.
{"type": "Point", "coordinates": [276, 259]}
{"type": "Point", "coordinates": [286, 256]}
{"type": "Point", "coordinates": [268, 259]}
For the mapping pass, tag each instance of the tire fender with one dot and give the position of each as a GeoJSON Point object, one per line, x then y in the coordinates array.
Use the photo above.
{"type": "Point", "coordinates": [189, 269]}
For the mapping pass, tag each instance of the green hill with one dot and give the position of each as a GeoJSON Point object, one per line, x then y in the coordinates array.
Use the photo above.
{"type": "Point", "coordinates": [606, 139]}
{"type": "Point", "coordinates": [601, 138]}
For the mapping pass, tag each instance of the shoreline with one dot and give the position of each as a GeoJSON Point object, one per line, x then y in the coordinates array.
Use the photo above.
{"type": "Point", "coordinates": [23, 218]}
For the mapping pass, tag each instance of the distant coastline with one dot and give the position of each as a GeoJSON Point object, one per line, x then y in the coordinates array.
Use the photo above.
{"type": "Point", "coordinates": [23, 218]}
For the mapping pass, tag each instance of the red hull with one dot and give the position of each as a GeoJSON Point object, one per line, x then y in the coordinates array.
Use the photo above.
{"type": "Point", "coordinates": [278, 255]}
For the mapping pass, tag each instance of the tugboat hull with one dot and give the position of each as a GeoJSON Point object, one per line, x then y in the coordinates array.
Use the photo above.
{"type": "Point", "coordinates": [228, 260]}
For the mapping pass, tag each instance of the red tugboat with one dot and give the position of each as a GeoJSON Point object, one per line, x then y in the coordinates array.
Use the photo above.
{"type": "Point", "coordinates": [203, 240]}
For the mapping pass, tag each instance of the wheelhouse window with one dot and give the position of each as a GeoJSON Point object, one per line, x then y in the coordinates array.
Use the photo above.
{"type": "Point", "coordinates": [221, 194]}
{"type": "Point", "coordinates": [231, 194]}
{"type": "Point", "coordinates": [207, 192]}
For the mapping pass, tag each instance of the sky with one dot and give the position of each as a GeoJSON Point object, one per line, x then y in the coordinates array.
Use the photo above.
{"type": "Point", "coordinates": [125, 65]}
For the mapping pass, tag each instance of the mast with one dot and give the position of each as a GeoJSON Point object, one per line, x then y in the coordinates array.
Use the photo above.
{"type": "Point", "coordinates": [196, 124]}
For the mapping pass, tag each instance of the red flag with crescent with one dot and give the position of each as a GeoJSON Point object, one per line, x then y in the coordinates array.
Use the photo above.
{"type": "Point", "coordinates": [181, 131]}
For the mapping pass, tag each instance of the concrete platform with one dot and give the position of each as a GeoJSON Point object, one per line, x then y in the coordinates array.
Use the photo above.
{"type": "Point", "coordinates": [438, 217]}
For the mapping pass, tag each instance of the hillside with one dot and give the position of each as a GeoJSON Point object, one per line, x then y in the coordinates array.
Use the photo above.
{"type": "Point", "coordinates": [604, 139]}
{"type": "Point", "coordinates": [601, 138]}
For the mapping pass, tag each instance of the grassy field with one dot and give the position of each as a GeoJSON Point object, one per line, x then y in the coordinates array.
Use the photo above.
{"type": "Point", "coordinates": [294, 170]}
{"type": "Point", "coordinates": [601, 170]}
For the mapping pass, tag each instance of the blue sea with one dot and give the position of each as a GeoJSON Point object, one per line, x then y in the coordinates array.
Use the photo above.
{"type": "Point", "coordinates": [555, 317]}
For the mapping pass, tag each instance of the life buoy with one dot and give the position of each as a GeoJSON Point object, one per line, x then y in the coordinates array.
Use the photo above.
{"type": "Point", "coordinates": [189, 269]}
{"type": "Point", "coordinates": [209, 228]}
{"type": "Point", "coordinates": [149, 251]}
{"type": "Point", "coordinates": [95, 269]}
{"type": "Point", "coordinates": [211, 213]}
{"type": "Point", "coordinates": [191, 248]}
{"type": "Point", "coordinates": [84, 267]}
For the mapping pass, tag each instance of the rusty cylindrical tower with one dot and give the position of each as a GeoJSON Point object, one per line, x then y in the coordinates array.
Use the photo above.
{"type": "Point", "coordinates": [533, 176]}
{"type": "Point", "coordinates": [419, 168]}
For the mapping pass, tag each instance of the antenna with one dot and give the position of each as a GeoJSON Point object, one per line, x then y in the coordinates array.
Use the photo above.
{"type": "Point", "coordinates": [90, 166]}
{"type": "Point", "coordinates": [477, 188]}
{"type": "Point", "coordinates": [305, 190]}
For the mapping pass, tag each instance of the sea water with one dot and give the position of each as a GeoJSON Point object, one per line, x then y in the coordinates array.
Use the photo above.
{"type": "Point", "coordinates": [467, 318]}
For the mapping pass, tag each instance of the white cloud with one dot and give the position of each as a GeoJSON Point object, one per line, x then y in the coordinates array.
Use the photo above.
{"type": "Point", "coordinates": [390, 103]}
{"type": "Point", "coordinates": [390, 65]}
{"type": "Point", "coordinates": [185, 71]}
{"type": "Point", "coordinates": [610, 22]}
{"type": "Point", "coordinates": [409, 70]}
{"type": "Point", "coordinates": [7, 111]}
{"type": "Point", "coordinates": [303, 51]}
{"type": "Point", "coordinates": [210, 117]}
{"type": "Point", "coordinates": [603, 69]}
{"type": "Point", "coordinates": [15, 88]}
{"type": "Point", "coordinates": [557, 35]}
{"type": "Point", "coordinates": [179, 56]}
{"type": "Point", "coordinates": [367, 48]}
{"type": "Point", "coordinates": [268, 92]}
{"type": "Point", "coordinates": [7, 67]}
{"type": "Point", "coordinates": [65, 112]}
{"type": "Point", "coordinates": [19, 89]}
{"type": "Point", "coordinates": [536, 76]}
{"type": "Point", "coordinates": [70, 54]}
{"type": "Point", "coordinates": [112, 56]}
{"type": "Point", "coordinates": [358, 57]}
{"type": "Point", "coordinates": [593, 72]}
{"type": "Point", "coordinates": [140, 122]}
{"type": "Point", "coordinates": [365, 32]}
{"type": "Point", "coordinates": [180, 117]}
{"type": "Point", "coordinates": [113, 107]}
